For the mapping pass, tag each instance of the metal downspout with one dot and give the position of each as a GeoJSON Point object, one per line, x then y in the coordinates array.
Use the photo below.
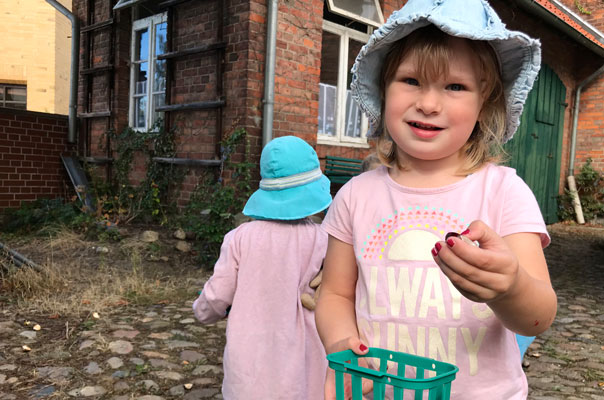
{"type": "Point", "coordinates": [573, 144]}
{"type": "Point", "coordinates": [269, 72]}
{"type": "Point", "coordinates": [18, 258]}
{"type": "Point", "coordinates": [75, 61]}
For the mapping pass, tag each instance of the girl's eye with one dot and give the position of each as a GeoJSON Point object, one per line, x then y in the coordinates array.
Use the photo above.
{"type": "Point", "coordinates": [456, 87]}
{"type": "Point", "coordinates": [411, 81]}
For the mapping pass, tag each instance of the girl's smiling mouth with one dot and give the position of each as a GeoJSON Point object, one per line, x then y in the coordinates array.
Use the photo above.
{"type": "Point", "coordinates": [424, 130]}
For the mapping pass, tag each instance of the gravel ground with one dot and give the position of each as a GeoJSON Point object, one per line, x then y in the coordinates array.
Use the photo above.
{"type": "Point", "coordinates": [160, 352]}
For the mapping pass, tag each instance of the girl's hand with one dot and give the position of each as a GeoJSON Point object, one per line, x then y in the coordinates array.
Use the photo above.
{"type": "Point", "coordinates": [482, 274]}
{"type": "Point", "coordinates": [358, 347]}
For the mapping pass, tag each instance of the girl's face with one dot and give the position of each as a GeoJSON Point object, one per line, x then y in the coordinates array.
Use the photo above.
{"type": "Point", "coordinates": [431, 119]}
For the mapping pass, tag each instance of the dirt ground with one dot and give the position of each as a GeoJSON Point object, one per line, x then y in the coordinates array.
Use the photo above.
{"type": "Point", "coordinates": [153, 319]}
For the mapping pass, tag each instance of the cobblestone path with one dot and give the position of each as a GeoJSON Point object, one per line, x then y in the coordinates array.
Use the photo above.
{"type": "Point", "coordinates": [161, 352]}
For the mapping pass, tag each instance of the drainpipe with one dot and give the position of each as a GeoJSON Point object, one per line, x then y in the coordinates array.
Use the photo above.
{"type": "Point", "coordinates": [73, 76]}
{"type": "Point", "coordinates": [573, 143]}
{"type": "Point", "coordinates": [269, 72]}
{"type": "Point", "coordinates": [19, 259]}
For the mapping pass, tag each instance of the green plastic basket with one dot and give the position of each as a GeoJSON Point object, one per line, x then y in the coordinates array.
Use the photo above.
{"type": "Point", "coordinates": [438, 387]}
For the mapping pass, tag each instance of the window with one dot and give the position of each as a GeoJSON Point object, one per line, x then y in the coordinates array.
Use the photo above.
{"type": "Point", "coordinates": [13, 96]}
{"type": "Point", "coordinates": [340, 119]}
{"type": "Point", "coordinates": [147, 74]}
{"type": "Point", "coordinates": [366, 11]}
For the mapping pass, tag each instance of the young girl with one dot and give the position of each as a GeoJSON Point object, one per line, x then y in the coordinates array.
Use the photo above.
{"type": "Point", "coordinates": [452, 85]}
{"type": "Point", "coordinates": [272, 350]}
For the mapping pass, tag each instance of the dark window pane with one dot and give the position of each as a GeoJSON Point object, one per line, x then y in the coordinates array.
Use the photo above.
{"type": "Point", "coordinates": [16, 94]}
{"type": "Point", "coordinates": [142, 45]}
{"type": "Point", "coordinates": [161, 42]}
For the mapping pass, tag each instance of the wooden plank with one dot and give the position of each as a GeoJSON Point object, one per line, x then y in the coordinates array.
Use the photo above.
{"type": "Point", "coordinates": [95, 70]}
{"type": "Point", "coordinates": [170, 3]}
{"type": "Point", "coordinates": [353, 160]}
{"type": "Point", "coordinates": [99, 114]}
{"type": "Point", "coordinates": [188, 52]}
{"type": "Point", "coordinates": [98, 25]}
{"type": "Point", "coordinates": [187, 161]}
{"type": "Point", "coordinates": [97, 160]}
{"type": "Point", "coordinates": [201, 105]}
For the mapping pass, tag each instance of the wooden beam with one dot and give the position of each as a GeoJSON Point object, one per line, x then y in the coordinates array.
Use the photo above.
{"type": "Point", "coordinates": [97, 160]}
{"type": "Point", "coordinates": [201, 105]}
{"type": "Point", "coordinates": [169, 3]}
{"type": "Point", "coordinates": [99, 114]}
{"type": "Point", "coordinates": [195, 50]}
{"type": "Point", "coordinates": [187, 161]}
{"type": "Point", "coordinates": [94, 70]}
{"type": "Point", "coordinates": [98, 25]}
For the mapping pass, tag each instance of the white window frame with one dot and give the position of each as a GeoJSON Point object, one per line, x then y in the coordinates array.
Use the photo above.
{"type": "Point", "coordinates": [340, 138]}
{"type": "Point", "coordinates": [125, 3]}
{"type": "Point", "coordinates": [348, 14]}
{"type": "Point", "coordinates": [148, 23]}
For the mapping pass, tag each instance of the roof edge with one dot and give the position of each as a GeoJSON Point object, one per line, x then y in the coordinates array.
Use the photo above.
{"type": "Point", "coordinates": [564, 19]}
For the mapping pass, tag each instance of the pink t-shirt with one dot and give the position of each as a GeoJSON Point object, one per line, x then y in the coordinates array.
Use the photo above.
{"type": "Point", "coordinates": [403, 300]}
{"type": "Point", "coordinates": [273, 350]}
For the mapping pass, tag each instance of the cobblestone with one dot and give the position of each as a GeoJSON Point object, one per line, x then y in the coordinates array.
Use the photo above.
{"type": "Point", "coordinates": [160, 352]}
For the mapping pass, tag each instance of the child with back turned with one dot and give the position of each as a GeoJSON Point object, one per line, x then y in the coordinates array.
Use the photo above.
{"type": "Point", "coordinates": [451, 91]}
{"type": "Point", "coordinates": [272, 347]}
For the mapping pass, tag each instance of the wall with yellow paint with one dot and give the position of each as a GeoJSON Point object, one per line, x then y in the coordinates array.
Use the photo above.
{"type": "Point", "coordinates": [35, 48]}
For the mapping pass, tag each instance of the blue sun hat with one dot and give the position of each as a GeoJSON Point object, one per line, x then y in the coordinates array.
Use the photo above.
{"type": "Point", "coordinates": [519, 55]}
{"type": "Point", "coordinates": [292, 184]}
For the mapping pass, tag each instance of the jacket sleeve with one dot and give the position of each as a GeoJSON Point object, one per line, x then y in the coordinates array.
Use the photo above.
{"type": "Point", "coordinates": [219, 290]}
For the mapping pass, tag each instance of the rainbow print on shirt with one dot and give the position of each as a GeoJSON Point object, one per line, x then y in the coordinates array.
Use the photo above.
{"type": "Point", "coordinates": [410, 234]}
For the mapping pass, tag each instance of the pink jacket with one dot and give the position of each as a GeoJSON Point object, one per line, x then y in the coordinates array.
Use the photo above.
{"type": "Point", "coordinates": [273, 350]}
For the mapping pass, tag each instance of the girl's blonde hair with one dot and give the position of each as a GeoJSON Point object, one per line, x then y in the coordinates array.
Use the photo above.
{"type": "Point", "coordinates": [430, 47]}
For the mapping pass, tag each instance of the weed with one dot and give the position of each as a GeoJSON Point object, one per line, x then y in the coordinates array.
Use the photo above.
{"type": "Point", "coordinates": [593, 375]}
{"type": "Point", "coordinates": [142, 369]}
{"type": "Point", "coordinates": [591, 193]}
{"type": "Point", "coordinates": [42, 214]}
{"type": "Point", "coordinates": [84, 285]}
{"type": "Point", "coordinates": [88, 324]}
{"type": "Point", "coordinates": [213, 205]}
{"type": "Point", "coordinates": [154, 247]}
{"type": "Point", "coordinates": [582, 8]}
{"type": "Point", "coordinates": [150, 200]}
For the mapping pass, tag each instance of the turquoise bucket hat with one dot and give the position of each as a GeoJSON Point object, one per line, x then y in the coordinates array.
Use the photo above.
{"type": "Point", "coordinates": [519, 55]}
{"type": "Point", "coordinates": [292, 184]}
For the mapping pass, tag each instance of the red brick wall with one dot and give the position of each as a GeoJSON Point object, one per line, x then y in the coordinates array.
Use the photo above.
{"type": "Point", "coordinates": [297, 75]}
{"type": "Point", "coordinates": [590, 133]}
{"type": "Point", "coordinates": [30, 165]}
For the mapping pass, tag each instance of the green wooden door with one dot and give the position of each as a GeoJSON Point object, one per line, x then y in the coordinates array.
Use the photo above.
{"type": "Point", "coordinates": [536, 149]}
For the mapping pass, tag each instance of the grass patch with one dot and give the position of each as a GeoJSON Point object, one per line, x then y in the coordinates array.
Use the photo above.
{"type": "Point", "coordinates": [76, 280]}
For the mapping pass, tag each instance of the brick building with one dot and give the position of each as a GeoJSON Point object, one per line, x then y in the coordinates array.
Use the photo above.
{"type": "Point", "coordinates": [200, 65]}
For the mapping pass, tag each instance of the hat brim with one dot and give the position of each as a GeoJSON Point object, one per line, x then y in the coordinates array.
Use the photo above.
{"type": "Point", "coordinates": [289, 204]}
{"type": "Point", "coordinates": [519, 54]}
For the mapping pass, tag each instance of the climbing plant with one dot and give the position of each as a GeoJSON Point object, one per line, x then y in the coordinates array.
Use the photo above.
{"type": "Point", "coordinates": [590, 187]}
{"type": "Point", "coordinates": [582, 8]}
{"type": "Point", "coordinates": [215, 201]}
{"type": "Point", "coordinates": [151, 200]}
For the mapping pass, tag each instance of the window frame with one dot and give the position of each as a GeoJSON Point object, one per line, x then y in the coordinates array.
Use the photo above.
{"type": "Point", "coordinates": [340, 138]}
{"type": "Point", "coordinates": [348, 14]}
{"type": "Point", "coordinates": [125, 3]}
{"type": "Point", "coordinates": [148, 23]}
{"type": "Point", "coordinates": [3, 101]}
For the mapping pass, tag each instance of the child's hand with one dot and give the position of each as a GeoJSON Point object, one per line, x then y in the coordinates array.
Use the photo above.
{"type": "Point", "coordinates": [481, 274]}
{"type": "Point", "coordinates": [354, 344]}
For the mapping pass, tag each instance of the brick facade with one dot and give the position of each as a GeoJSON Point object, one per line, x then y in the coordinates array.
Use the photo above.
{"type": "Point", "coordinates": [298, 66]}
{"type": "Point", "coordinates": [30, 165]}
{"type": "Point", "coordinates": [590, 128]}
